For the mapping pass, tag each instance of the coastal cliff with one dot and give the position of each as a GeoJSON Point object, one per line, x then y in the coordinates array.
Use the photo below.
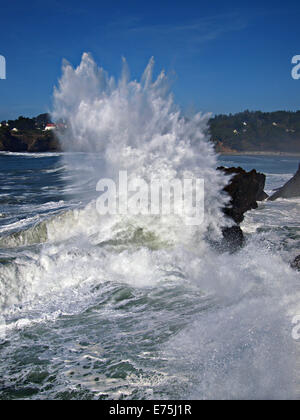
{"type": "Point", "coordinates": [28, 135]}
{"type": "Point", "coordinates": [31, 142]}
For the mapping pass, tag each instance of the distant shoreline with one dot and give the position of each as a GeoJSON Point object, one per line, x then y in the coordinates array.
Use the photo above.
{"type": "Point", "coordinates": [60, 152]}
{"type": "Point", "coordinates": [286, 154]}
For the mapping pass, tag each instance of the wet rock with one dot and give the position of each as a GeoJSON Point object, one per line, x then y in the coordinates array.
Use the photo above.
{"type": "Point", "coordinates": [233, 238]}
{"type": "Point", "coordinates": [290, 190]}
{"type": "Point", "coordinates": [245, 189]}
{"type": "Point", "coordinates": [262, 196]}
{"type": "Point", "coordinates": [296, 263]}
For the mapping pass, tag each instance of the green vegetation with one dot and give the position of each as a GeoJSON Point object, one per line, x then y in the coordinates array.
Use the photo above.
{"type": "Point", "coordinates": [29, 124]}
{"type": "Point", "coordinates": [244, 132]}
{"type": "Point", "coordinates": [257, 132]}
{"type": "Point", "coordinates": [27, 135]}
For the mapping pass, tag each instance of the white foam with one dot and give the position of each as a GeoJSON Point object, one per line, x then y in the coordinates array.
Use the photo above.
{"type": "Point", "coordinates": [239, 343]}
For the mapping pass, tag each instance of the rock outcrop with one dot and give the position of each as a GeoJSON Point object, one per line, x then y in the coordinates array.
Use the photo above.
{"type": "Point", "coordinates": [233, 239]}
{"type": "Point", "coordinates": [245, 189]}
{"type": "Point", "coordinates": [290, 190]}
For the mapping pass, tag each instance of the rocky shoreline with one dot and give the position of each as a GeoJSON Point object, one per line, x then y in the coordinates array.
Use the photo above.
{"type": "Point", "coordinates": [290, 190]}
{"type": "Point", "coordinates": [246, 189]}
{"type": "Point", "coordinates": [39, 141]}
{"type": "Point", "coordinates": [251, 153]}
{"type": "Point", "coordinates": [32, 135]}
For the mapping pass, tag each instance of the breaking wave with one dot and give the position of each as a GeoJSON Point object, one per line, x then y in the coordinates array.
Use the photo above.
{"type": "Point", "coordinates": [141, 307]}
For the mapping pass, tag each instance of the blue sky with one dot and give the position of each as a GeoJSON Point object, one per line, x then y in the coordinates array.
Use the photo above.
{"type": "Point", "coordinates": [222, 56]}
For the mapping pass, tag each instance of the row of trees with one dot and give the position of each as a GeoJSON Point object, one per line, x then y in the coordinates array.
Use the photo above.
{"type": "Point", "coordinates": [28, 124]}
{"type": "Point", "coordinates": [257, 131]}
{"type": "Point", "coordinates": [245, 131]}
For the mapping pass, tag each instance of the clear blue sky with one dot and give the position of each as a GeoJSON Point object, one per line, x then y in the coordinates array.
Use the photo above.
{"type": "Point", "coordinates": [223, 56]}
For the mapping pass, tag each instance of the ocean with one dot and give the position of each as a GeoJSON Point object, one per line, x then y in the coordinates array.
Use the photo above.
{"type": "Point", "coordinates": [124, 306]}
{"type": "Point", "coordinates": [91, 314]}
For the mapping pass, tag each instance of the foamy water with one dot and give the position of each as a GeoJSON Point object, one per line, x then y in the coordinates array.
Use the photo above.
{"type": "Point", "coordinates": [140, 307]}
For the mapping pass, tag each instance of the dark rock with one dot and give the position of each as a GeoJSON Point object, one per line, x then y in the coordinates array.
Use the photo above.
{"type": "Point", "coordinates": [9, 143]}
{"type": "Point", "coordinates": [296, 263]}
{"type": "Point", "coordinates": [290, 190]}
{"type": "Point", "coordinates": [233, 238]}
{"type": "Point", "coordinates": [262, 196]}
{"type": "Point", "coordinates": [29, 141]}
{"type": "Point", "coordinates": [245, 189]}
{"type": "Point", "coordinates": [45, 143]}
{"type": "Point", "coordinates": [13, 144]}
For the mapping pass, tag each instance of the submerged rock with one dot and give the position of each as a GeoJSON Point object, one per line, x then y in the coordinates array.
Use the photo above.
{"type": "Point", "coordinates": [296, 263]}
{"type": "Point", "coordinates": [233, 238]}
{"type": "Point", "coordinates": [290, 190]}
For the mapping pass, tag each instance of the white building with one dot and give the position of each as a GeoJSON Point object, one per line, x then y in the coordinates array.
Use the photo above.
{"type": "Point", "coordinates": [50, 127]}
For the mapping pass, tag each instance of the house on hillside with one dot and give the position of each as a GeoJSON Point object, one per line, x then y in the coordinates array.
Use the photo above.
{"type": "Point", "coordinates": [50, 127]}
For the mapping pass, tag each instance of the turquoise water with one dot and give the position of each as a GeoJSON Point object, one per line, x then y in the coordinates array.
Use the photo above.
{"type": "Point", "coordinates": [91, 312]}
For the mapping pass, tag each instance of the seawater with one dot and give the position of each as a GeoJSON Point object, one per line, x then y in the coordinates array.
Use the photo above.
{"type": "Point", "coordinates": [115, 307]}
